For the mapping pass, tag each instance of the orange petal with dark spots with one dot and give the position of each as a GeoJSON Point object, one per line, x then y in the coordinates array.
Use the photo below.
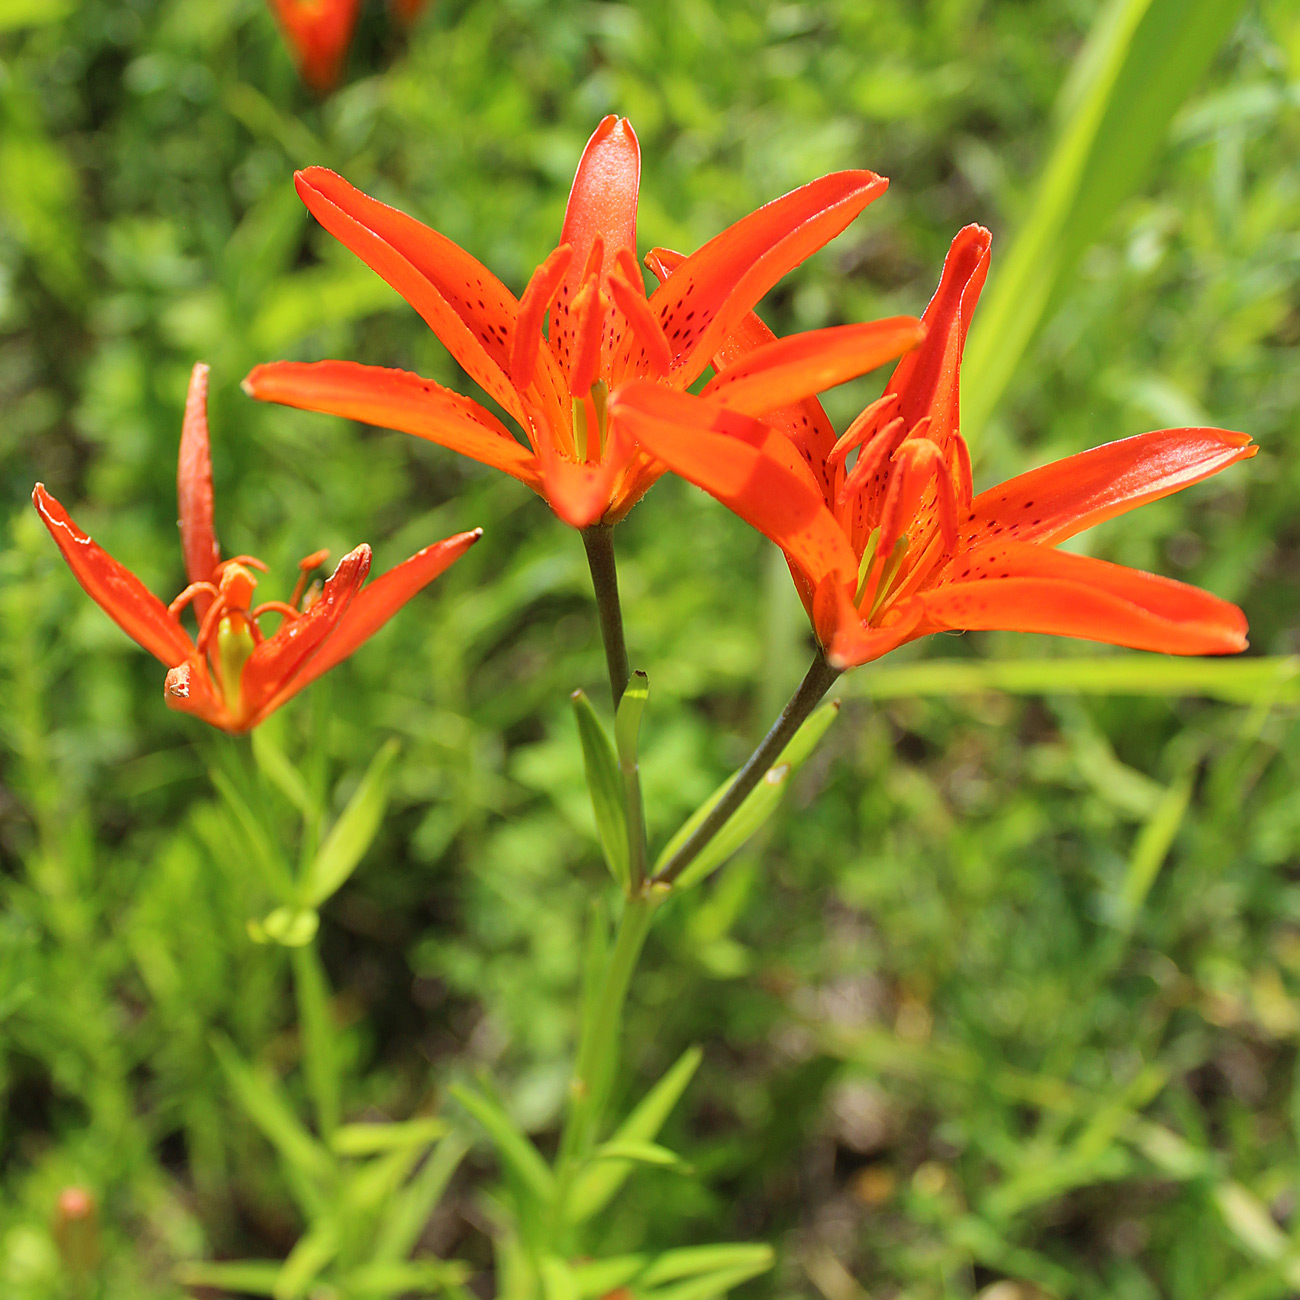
{"type": "Point", "coordinates": [707, 296]}
{"type": "Point", "coordinates": [113, 587]}
{"type": "Point", "coordinates": [395, 399]}
{"type": "Point", "coordinates": [1026, 588]}
{"type": "Point", "coordinates": [1056, 501]}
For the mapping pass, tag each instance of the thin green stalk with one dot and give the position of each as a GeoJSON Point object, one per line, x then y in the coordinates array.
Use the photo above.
{"type": "Point", "coordinates": [599, 543]}
{"type": "Point", "coordinates": [602, 1031]}
{"type": "Point", "coordinates": [319, 1057]}
{"type": "Point", "coordinates": [817, 681]}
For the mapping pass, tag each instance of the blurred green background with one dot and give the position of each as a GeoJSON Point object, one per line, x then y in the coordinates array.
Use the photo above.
{"type": "Point", "coordinates": [1004, 1002]}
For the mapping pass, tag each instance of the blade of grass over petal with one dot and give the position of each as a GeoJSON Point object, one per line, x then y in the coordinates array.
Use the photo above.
{"type": "Point", "coordinates": [1142, 59]}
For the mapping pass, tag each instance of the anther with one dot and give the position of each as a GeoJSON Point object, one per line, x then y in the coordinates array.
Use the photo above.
{"type": "Point", "coordinates": [590, 307]}
{"type": "Point", "coordinates": [305, 566]}
{"type": "Point", "coordinates": [250, 561]}
{"type": "Point", "coordinates": [872, 458]}
{"type": "Point", "coordinates": [629, 297]}
{"type": "Point", "coordinates": [862, 428]}
{"type": "Point", "coordinates": [538, 299]}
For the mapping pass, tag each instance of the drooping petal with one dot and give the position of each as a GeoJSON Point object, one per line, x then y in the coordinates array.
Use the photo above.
{"type": "Point", "coordinates": [268, 676]}
{"type": "Point", "coordinates": [790, 369]}
{"type": "Point", "coordinates": [751, 468]}
{"type": "Point", "coordinates": [708, 295]}
{"type": "Point", "coordinates": [1056, 501]}
{"type": "Point", "coordinates": [927, 380]}
{"type": "Point", "coordinates": [320, 32]}
{"type": "Point", "coordinates": [394, 399]}
{"type": "Point", "coordinates": [1026, 588]}
{"type": "Point", "coordinates": [113, 587]}
{"type": "Point", "coordinates": [464, 304]}
{"type": "Point", "coordinates": [602, 205]}
{"type": "Point", "coordinates": [194, 491]}
{"type": "Point", "coordinates": [376, 603]}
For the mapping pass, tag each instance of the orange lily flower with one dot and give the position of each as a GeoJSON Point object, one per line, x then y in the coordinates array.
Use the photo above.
{"type": "Point", "coordinates": [233, 675]}
{"type": "Point", "coordinates": [603, 332]}
{"type": "Point", "coordinates": [898, 546]}
{"type": "Point", "coordinates": [319, 32]}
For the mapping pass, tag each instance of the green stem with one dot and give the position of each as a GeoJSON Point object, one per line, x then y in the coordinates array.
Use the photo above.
{"type": "Point", "coordinates": [598, 1048]}
{"type": "Point", "coordinates": [816, 683]}
{"type": "Point", "coordinates": [319, 1058]}
{"type": "Point", "coordinates": [599, 543]}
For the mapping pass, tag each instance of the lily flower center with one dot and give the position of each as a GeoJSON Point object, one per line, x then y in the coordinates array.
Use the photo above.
{"type": "Point", "coordinates": [230, 630]}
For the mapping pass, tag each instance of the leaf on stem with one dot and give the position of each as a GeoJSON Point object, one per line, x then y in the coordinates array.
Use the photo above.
{"type": "Point", "coordinates": [597, 1184]}
{"type": "Point", "coordinates": [627, 720]}
{"type": "Point", "coordinates": [757, 807]}
{"type": "Point", "coordinates": [352, 834]}
{"type": "Point", "coordinates": [605, 786]}
{"type": "Point", "coordinates": [513, 1146]}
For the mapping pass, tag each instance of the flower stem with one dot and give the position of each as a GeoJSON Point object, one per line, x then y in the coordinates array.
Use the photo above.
{"type": "Point", "coordinates": [817, 681]}
{"type": "Point", "coordinates": [599, 543]}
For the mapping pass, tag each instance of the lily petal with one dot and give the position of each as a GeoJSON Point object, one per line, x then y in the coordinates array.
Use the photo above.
{"type": "Point", "coordinates": [708, 295]}
{"type": "Point", "coordinates": [394, 399]}
{"type": "Point", "coordinates": [1027, 588]}
{"type": "Point", "coordinates": [1056, 501]}
{"type": "Point", "coordinates": [927, 380]}
{"type": "Point", "coordinates": [377, 602]}
{"type": "Point", "coordinates": [464, 304]}
{"type": "Point", "coordinates": [194, 491]}
{"type": "Point", "coordinates": [113, 587]}
{"type": "Point", "coordinates": [320, 34]}
{"type": "Point", "coordinates": [269, 676]}
{"type": "Point", "coordinates": [787, 370]}
{"type": "Point", "coordinates": [751, 468]}
{"type": "Point", "coordinates": [602, 204]}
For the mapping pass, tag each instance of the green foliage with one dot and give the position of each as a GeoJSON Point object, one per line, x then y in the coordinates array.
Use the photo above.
{"type": "Point", "coordinates": [1005, 993]}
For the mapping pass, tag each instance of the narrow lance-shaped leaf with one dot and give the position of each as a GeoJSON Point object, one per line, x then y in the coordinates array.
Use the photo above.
{"type": "Point", "coordinates": [370, 1139]}
{"type": "Point", "coordinates": [408, 1213]}
{"type": "Point", "coordinates": [758, 806]}
{"type": "Point", "coordinates": [262, 1102]}
{"type": "Point", "coordinates": [352, 834]}
{"type": "Point", "coordinates": [597, 1184]}
{"type": "Point", "coordinates": [605, 786]}
{"type": "Point", "coordinates": [275, 765]}
{"type": "Point", "coordinates": [513, 1146]}
{"type": "Point", "coordinates": [627, 736]}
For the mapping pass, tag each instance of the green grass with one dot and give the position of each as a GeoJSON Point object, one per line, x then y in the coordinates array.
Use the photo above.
{"type": "Point", "coordinates": [1006, 991]}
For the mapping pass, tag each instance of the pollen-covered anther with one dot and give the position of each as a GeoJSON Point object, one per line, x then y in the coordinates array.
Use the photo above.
{"type": "Point", "coordinates": [590, 307]}
{"type": "Point", "coordinates": [628, 292]}
{"type": "Point", "coordinates": [866, 426]}
{"type": "Point", "coordinates": [538, 299]}
{"type": "Point", "coordinates": [872, 459]}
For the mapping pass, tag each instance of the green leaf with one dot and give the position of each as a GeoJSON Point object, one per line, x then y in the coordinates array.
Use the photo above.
{"type": "Point", "coordinates": [597, 1184]}
{"type": "Point", "coordinates": [1152, 846]}
{"type": "Point", "coordinates": [710, 1284]}
{"type": "Point", "coordinates": [260, 1099]}
{"type": "Point", "coordinates": [758, 806]}
{"type": "Point", "coordinates": [400, 1276]}
{"type": "Point", "coordinates": [408, 1212]}
{"type": "Point", "coordinates": [370, 1139]}
{"type": "Point", "coordinates": [1237, 681]}
{"type": "Point", "coordinates": [643, 1153]}
{"type": "Point", "coordinates": [1142, 59]}
{"type": "Point", "coordinates": [513, 1145]}
{"type": "Point", "coordinates": [605, 785]}
{"type": "Point", "coordinates": [558, 1281]}
{"type": "Point", "coordinates": [627, 719]}
{"type": "Point", "coordinates": [693, 1261]}
{"type": "Point", "coordinates": [352, 834]}
{"type": "Point", "coordinates": [291, 927]}
{"type": "Point", "coordinates": [243, 1276]}
{"type": "Point", "coordinates": [274, 764]}
{"type": "Point", "coordinates": [312, 1253]}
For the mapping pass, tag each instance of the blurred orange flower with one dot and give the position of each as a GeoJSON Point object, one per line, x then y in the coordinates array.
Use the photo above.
{"type": "Point", "coordinates": [233, 675]}
{"type": "Point", "coordinates": [319, 32]}
{"type": "Point", "coordinates": [603, 331]}
{"type": "Point", "coordinates": [898, 546]}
